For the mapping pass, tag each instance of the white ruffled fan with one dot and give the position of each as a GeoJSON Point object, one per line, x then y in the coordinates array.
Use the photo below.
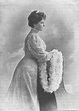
{"type": "Point", "coordinates": [51, 72]}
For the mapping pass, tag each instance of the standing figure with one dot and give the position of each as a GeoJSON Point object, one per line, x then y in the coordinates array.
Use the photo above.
{"type": "Point", "coordinates": [25, 85]}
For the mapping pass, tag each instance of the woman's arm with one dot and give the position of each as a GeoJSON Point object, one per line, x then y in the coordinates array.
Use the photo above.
{"type": "Point", "coordinates": [37, 49]}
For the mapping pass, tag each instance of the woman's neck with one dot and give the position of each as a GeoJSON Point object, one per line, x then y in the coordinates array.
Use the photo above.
{"type": "Point", "coordinates": [34, 30]}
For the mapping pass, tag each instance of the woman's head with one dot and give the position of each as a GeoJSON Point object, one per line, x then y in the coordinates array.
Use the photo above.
{"type": "Point", "coordinates": [35, 17]}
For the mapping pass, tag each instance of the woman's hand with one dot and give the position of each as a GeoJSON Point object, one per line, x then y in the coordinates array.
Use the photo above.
{"type": "Point", "coordinates": [50, 54]}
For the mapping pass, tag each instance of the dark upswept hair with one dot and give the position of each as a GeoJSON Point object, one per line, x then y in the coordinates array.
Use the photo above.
{"type": "Point", "coordinates": [35, 17]}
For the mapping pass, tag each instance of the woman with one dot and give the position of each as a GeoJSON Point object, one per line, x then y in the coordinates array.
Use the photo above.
{"type": "Point", "coordinates": [24, 85]}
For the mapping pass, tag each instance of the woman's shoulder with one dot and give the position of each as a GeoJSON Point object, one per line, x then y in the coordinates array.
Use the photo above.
{"type": "Point", "coordinates": [31, 36]}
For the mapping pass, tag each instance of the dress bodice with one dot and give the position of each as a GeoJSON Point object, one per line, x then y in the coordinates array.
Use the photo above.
{"type": "Point", "coordinates": [34, 46]}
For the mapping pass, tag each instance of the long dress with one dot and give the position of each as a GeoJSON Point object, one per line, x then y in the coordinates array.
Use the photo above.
{"type": "Point", "coordinates": [24, 83]}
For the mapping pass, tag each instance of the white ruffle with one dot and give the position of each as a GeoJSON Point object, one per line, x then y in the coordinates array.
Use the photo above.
{"type": "Point", "coordinates": [55, 71]}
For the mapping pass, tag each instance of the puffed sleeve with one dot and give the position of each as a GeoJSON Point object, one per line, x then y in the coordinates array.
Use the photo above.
{"type": "Point", "coordinates": [37, 48]}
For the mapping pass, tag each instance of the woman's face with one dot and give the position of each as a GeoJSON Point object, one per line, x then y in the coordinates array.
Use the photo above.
{"type": "Point", "coordinates": [40, 25]}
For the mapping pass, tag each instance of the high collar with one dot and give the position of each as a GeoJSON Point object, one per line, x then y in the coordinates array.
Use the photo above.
{"type": "Point", "coordinates": [34, 30]}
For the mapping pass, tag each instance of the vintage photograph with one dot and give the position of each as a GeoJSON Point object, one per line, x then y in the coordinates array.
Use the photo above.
{"type": "Point", "coordinates": [39, 55]}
